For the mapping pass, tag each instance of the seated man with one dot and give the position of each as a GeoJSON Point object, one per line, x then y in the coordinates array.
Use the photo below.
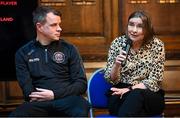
{"type": "Point", "coordinates": [50, 71]}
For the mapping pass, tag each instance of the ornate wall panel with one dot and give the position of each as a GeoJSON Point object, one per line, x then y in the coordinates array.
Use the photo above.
{"type": "Point", "coordinates": [86, 23]}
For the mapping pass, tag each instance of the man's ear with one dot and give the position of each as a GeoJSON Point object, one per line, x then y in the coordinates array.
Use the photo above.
{"type": "Point", "coordinates": [39, 26]}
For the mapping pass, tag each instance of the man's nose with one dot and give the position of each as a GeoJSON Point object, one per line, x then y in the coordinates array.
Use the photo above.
{"type": "Point", "coordinates": [59, 29]}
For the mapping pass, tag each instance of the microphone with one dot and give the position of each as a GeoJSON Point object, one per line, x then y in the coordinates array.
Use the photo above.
{"type": "Point", "coordinates": [127, 48]}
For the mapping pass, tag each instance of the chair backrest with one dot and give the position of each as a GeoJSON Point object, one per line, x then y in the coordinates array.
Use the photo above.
{"type": "Point", "coordinates": [97, 89]}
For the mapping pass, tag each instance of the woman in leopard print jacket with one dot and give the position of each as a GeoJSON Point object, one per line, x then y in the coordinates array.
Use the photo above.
{"type": "Point", "coordinates": [136, 87]}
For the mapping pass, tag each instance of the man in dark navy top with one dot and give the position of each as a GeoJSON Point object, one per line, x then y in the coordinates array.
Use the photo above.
{"type": "Point", "coordinates": [50, 71]}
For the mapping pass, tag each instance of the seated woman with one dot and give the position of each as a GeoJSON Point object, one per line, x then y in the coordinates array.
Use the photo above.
{"type": "Point", "coordinates": [136, 70]}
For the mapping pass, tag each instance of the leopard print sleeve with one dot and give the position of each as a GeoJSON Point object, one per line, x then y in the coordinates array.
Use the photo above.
{"type": "Point", "coordinates": [155, 77]}
{"type": "Point", "coordinates": [114, 50]}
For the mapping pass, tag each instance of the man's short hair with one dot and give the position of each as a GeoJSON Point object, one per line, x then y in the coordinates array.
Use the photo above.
{"type": "Point", "coordinates": [39, 15]}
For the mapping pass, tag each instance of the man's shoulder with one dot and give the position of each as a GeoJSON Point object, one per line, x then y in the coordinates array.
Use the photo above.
{"type": "Point", "coordinates": [66, 43]}
{"type": "Point", "coordinates": [26, 47]}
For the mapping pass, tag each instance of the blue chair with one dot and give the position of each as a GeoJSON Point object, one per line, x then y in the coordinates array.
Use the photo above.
{"type": "Point", "coordinates": [97, 88]}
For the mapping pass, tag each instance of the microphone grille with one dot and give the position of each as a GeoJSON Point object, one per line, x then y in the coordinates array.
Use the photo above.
{"type": "Point", "coordinates": [129, 41]}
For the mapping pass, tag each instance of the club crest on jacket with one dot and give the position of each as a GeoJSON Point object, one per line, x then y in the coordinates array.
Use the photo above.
{"type": "Point", "coordinates": [58, 57]}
